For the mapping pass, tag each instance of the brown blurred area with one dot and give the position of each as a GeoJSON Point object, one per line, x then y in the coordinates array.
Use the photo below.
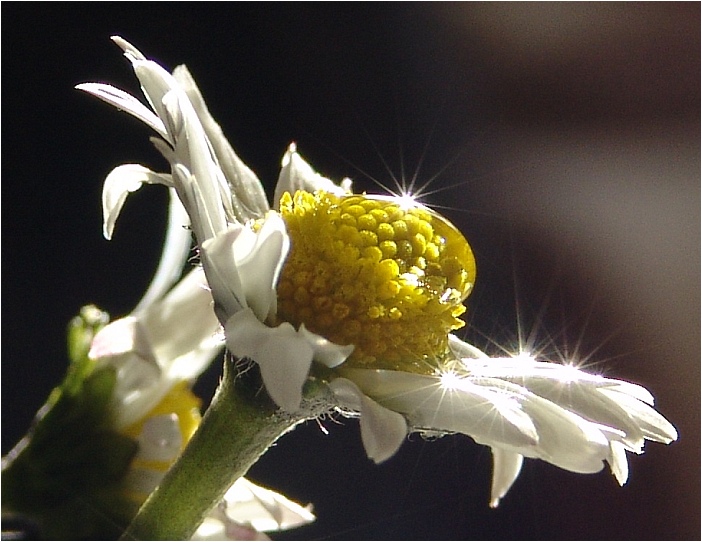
{"type": "Point", "coordinates": [600, 145]}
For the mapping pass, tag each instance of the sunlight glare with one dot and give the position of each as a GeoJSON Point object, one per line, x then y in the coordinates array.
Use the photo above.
{"type": "Point", "coordinates": [450, 380]}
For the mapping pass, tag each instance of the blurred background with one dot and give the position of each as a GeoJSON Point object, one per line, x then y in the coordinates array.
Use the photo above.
{"type": "Point", "coordinates": [563, 139]}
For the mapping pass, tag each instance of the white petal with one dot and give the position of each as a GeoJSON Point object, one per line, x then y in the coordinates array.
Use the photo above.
{"type": "Point", "coordinates": [187, 308]}
{"type": "Point", "coordinates": [462, 349]}
{"type": "Point", "coordinates": [142, 481]}
{"type": "Point", "coordinates": [652, 424]}
{"type": "Point", "coordinates": [176, 248]}
{"type": "Point", "coordinates": [618, 462]}
{"type": "Point", "coordinates": [129, 50]}
{"type": "Point", "coordinates": [430, 402]}
{"type": "Point", "coordinates": [243, 267]}
{"type": "Point", "coordinates": [283, 355]}
{"type": "Point", "coordinates": [186, 135]}
{"type": "Point", "coordinates": [326, 352]}
{"type": "Point", "coordinates": [565, 439]}
{"type": "Point", "coordinates": [505, 469]}
{"type": "Point", "coordinates": [139, 382]}
{"type": "Point", "coordinates": [264, 509]}
{"type": "Point", "coordinates": [125, 335]}
{"type": "Point", "coordinates": [296, 174]}
{"type": "Point", "coordinates": [219, 262]}
{"type": "Point", "coordinates": [120, 182]}
{"type": "Point", "coordinates": [160, 439]}
{"type": "Point", "coordinates": [618, 404]}
{"type": "Point", "coordinates": [125, 102]}
{"type": "Point", "coordinates": [382, 430]}
{"type": "Point", "coordinates": [581, 397]}
{"type": "Point", "coordinates": [193, 149]}
{"type": "Point", "coordinates": [249, 198]}
{"type": "Point", "coordinates": [260, 265]}
{"type": "Point", "coordinates": [155, 83]}
{"type": "Point", "coordinates": [149, 357]}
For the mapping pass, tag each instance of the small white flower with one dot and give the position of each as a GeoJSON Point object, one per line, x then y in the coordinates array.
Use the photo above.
{"type": "Point", "coordinates": [149, 356]}
{"type": "Point", "coordinates": [157, 352]}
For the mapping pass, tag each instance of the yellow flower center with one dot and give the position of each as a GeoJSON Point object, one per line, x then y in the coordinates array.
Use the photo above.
{"type": "Point", "coordinates": [370, 271]}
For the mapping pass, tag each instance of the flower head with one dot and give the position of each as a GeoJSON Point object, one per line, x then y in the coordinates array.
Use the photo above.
{"type": "Point", "coordinates": [388, 278]}
{"type": "Point", "coordinates": [362, 293]}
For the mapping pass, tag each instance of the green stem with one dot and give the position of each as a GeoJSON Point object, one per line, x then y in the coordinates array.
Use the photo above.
{"type": "Point", "coordinates": [237, 429]}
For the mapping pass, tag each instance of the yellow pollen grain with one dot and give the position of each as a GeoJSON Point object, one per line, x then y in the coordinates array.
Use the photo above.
{"type": "Point", "coordinates": [385, 232]}
{"type": "Point", "coordinates": [388, 248]}
{"type": "Point", "coordinates": [366, 222]}
{"type": "Point", "coordinates": [390, 280]}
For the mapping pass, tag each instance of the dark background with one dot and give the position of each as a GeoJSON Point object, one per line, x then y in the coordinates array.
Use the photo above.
{"type": "Point", "coordinates": [564, 141]}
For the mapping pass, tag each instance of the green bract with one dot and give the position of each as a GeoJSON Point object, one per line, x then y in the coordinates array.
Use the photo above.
{"type": "Point", "coordinates": [66, 474]}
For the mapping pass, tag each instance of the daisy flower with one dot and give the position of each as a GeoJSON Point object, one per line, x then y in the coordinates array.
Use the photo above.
{"type": "Point", "coordinates": [360, 294]}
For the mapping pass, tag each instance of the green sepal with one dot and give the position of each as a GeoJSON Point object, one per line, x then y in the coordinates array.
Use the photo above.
{"type": "Point", "coordinates": [66, 474]}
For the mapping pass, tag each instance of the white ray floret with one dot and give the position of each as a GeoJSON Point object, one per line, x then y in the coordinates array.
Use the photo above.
{"type": "Point", "coordinates": [221, 196]}
{"type": "Point", "coordinates": [519, 407]}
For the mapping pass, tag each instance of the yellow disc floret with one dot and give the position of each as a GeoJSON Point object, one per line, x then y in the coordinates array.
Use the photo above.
{"type": "Point", "coordinates": [377, 273]}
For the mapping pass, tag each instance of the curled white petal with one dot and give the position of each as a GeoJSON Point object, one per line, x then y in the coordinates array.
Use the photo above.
{"type": "Point", "coordinates": [505, 469]}
{"type": "Point", "coordinates": [462, 349]}
{"type": "Point", "coordinates": [219, 261]}
{"type": "Point", "coordinates": [382, 430]}
{"type": "Point", "coordinates": [243, 267]}
{"type": "Point", "coordinates": [283, 355]}
{"type": "Point", "coordinates": [125, 102]}
{"type": "Point", "coordinates": [185, 134]}
{"type": "Point", "coordinates": [326, 352]}
{"type": "Point", "coordinates": [261, 267]}
{"type": "Point", "coordinates": [296, 174]}
{"type": "Point", "coordinates": [248, 510]}
{"type": "Point", "coordinates": [120, 182]}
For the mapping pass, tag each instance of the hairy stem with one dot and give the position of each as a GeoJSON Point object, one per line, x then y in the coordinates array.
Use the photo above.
{"type": "Point", "coordinates": [238, 427]}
